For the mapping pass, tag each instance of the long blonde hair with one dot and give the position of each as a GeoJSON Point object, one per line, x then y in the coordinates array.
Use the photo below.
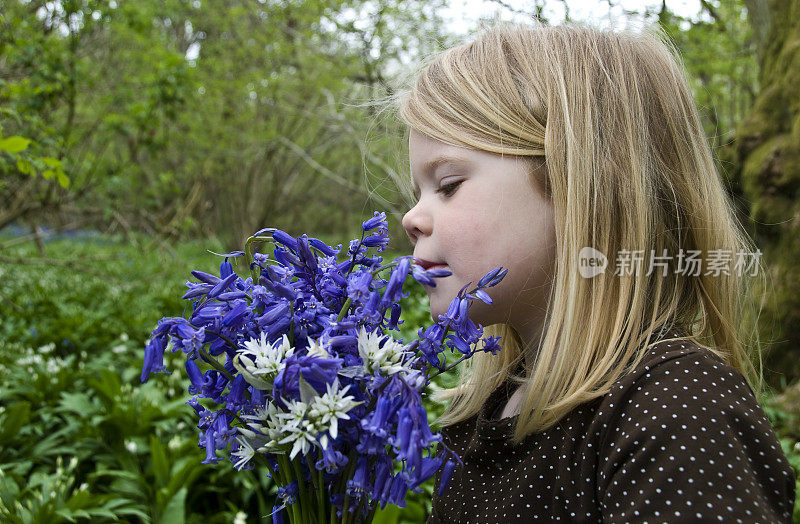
{"type": "Point", "coordinates": [628, 168]}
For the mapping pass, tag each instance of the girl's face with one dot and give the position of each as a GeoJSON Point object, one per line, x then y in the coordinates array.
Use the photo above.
{"type": "Point", "coordinates": [476, 211]}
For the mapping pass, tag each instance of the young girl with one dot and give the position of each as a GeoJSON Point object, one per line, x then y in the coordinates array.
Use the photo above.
{"type": "Point", "coordinates": [624, 391]}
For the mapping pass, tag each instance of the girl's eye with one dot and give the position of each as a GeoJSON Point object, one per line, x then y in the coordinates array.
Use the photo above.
{"type": "Point", "coordinates": [449, 188]}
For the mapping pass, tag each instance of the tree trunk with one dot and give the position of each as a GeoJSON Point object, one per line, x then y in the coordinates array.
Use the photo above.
{"type": "Point", "coordinates": [767, 155]}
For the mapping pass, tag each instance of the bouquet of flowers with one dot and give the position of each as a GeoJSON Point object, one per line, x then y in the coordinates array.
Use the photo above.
{"type": "Point", "coordinates": [294, 367]}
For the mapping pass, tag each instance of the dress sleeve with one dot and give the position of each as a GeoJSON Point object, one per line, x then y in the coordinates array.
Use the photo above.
{"type": "Point", "coordinates": [687, 440]}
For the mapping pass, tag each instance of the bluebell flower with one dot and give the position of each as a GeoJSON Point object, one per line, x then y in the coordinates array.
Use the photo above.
{"type": "Point", "coordinates": [222, 285]}
{"type": "Point", "coordinates": [491, 345]}
{"type": "Point", "coordinates": [378, 220]}
{"type": "Point", "coordinates": [377, 422]}
{"type": "Point", "coordinates": [196, 290]}
{"type": "Point", "coordinates": [235, 397]}
{"type": "Point", "coordinates": [359, 484]}
{"type": "Point", "coordinates": [287, 258]}
{"type": "Point", "coordinates": [284, 238]}
{"type": "Point", "coordinates": [447, 474]}
{"type": "Point", "coordinates": [397, 494]}
{"type": "Point", "coordinates": [492, 278]}
{"type": "Point", "coordinates": [299, 293]}
{"type": "Point", "coordinates": [394, 288]}
{"type": "Point", "coordinates": [154, 357]}
{"type": "Point", "coordinates": [209, 438]}
{"type": "Point", "coordinates": [225, 269]}
{"type": "Point", "coordinates": [379, 240]}
{"type": "Point", "coordinates": [427, 278]}
{"type": "Point", "coordinates": [332, 460]}
{"type": "Point", "coordinates": [275, 312]}
{"type": "Point", "coordinates": [358, 285]}
{"type": "Point", "coordinates": [207, 278]}
{"type": "Point", "coordinates": [429, 466]}
{"type": "Point", "coordinates": [195, 376]}
{"type": "Point", "coordinates": [307, 257]}
{"type": "Point", "coordinates": [324, 248]}
{"type": "Point", "coordinates": [383, 476]}
{"type": "Point", "coordinates": [315, 370]}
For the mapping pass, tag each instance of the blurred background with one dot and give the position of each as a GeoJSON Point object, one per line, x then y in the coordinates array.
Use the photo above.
{"type": "Point", "coordinates": [138, 136]}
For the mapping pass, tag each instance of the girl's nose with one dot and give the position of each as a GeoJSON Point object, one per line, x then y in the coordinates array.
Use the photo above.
{"type": "Point", "coordinates": [416, 223]}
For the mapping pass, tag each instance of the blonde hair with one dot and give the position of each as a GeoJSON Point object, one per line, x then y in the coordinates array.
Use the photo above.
{"type": "Point", "coordinates": [628, 168]}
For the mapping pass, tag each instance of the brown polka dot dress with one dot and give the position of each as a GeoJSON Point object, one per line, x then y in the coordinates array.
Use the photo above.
{"type": "Point", "coordinates": [680, 439]}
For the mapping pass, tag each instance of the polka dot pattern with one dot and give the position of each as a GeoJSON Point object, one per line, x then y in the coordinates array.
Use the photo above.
{"type": "Point", "coordinates": [680, 438]}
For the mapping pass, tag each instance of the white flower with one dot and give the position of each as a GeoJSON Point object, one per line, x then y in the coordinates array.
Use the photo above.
{"type": "Point", "coordinates": [388, 359]}
{"type": "Point", "coordinates": [326, 410]}
{"type": "Point", "coordinates": [302, 431]}
{"type": "Point", "coordinates": [241, 518]}
{"type": "Point", "coordinates": [315, 349]}
{"type": "Point", "coordinates": [267, 427]}
{"type": "Point", "coordinates": [261, 361]}
{"type": "Point", "coordinates": [244, 454]}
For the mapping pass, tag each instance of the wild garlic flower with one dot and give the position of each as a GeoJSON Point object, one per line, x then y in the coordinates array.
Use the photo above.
{"type": "Point", "coordinates": [265, 428]}
{"type": "Point", "coordinates": [259, 362]}
{"type": "Point", "coordinates": [244, 453]}
{"type": "Point", "coordinates": [326, 410]}
{"type": "Point", "coordinates": [315, 349]}
{"type": "Point", "coordinates": [302, 432]}
{"type": "Point", "coordinates": [381, 353]}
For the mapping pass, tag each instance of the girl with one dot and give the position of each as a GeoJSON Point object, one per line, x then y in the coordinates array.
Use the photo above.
{"type": "Point", "coordinates": [624, 391]}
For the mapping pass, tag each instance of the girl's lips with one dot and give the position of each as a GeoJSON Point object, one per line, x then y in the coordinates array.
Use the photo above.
{"type": "Point", "coordinates": [427, 265]}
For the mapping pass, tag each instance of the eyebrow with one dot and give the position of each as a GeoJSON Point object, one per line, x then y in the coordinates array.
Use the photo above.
{"type": "Point", "coordinates": [431, 166]}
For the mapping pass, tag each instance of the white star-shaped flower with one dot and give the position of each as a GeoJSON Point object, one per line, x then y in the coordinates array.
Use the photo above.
{"type": "Point", "coordinates": [259, 362]}
{"type": "Point", "coordinates": [387, 359]}
{"type": "Point", "coordinates": [327, 409]}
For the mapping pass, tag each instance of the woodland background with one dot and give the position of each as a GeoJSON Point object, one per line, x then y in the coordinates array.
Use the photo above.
{"type": "Point", "coordinates": [137, 135]}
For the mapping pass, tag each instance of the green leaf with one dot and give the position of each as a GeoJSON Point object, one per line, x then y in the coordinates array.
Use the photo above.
{"type": "Point", "coordinates": [158, 456]}
{"type": "Point", "coordinates": [48, 173]}
{"type": "Point", "coordinates": [107, 385]}
{"type": "Point", "coordinates": [78, 403]}
{"type": "Point", "coordinates": [24, 166]}
{"type": "Point", "coordinates": [8, 490]}
{"type": "Point", "coordinates": [307, 391]}
{"type": "Point", "coordinates": [51, 162]}
{"type": "Point", "coordinates": [63, 180]}
{"type": "Point", "coordinates": [175, 513]}
{"type": "Point", "coordinates": [15, 416]}
{"type": "Point", "coordinates": [14, 144]}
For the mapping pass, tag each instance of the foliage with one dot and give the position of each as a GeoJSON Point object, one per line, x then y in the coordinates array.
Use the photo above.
{"type": "Point", "coordinates": [80, 438]}
{"type": "Point", "coordinates": [181, 116]}
{"type": "Point", "coordinates": [719, 55]}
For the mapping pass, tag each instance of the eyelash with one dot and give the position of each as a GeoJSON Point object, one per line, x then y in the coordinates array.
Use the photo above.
{"type": "Point", "coordinates": [448, 189]}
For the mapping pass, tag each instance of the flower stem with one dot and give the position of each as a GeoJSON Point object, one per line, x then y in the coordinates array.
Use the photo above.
{"type": "Point", "coordinates": [345, 307]}
{"type": "Point", "coordinates": [208, 359]}
{"type": "Point", "coordinates": [304, 499]}
{"type": "Point", "coordinates": [320, 491]}
{"type": "Point", "coordinates": [345, 508]}
{"type": "Point", "coordinates": [451, 366]}
{"type": "Point", "coordinates": [255, 269]}
{"type": "Point", "coordinates": [371, 514]}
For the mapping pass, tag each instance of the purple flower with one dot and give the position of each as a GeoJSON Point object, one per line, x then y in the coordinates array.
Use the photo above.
{"type": "Point", "coordinates": [154, 357]}
{"type": "Point", "coordinates": [447, 473]}
{"type": "Point", "coordinates": [394, 289]}
{"type": "Point", "coordinates": [377, 221]}
{"type": "Point", "coordinates": [299, 291]}
{"type": "Point", "coordinates": [359, 484]}
{"type": "Point", "coordinates": [318, 372]}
